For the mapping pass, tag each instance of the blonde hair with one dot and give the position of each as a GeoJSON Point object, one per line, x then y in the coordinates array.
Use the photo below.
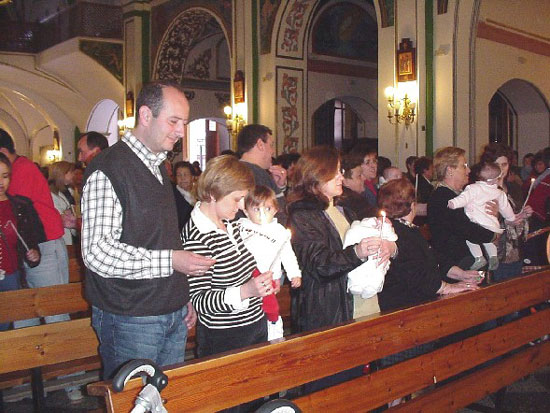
{"type": "Point", "coordinates": [446, 158]}
{"type": "Point", "coordinates": [223, 174]}
{"type": "Point", "coordinates": [56, 175]}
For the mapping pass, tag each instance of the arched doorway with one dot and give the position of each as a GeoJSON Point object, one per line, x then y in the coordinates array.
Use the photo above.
{"type": "Point", "coordinates": [345, 122]}
{"type": "Point", "coordinates": [207, 138]}
{"type": "Point", "coordinates": [519, 116]}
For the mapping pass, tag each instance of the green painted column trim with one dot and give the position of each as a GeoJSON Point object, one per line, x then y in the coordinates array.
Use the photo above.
{"type": "Point", "coordinates": [429, 78]}
{"type": "Point", "coordinates": [145, 49]}
{"type": "Point", "coordinates": [255, 62]}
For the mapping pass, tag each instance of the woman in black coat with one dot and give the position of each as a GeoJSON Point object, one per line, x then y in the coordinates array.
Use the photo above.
{"type": "Point", "coordinates": [413, 276]}
{"type": "Point", "coordinates": [318, 228]}
{"type": "Point", "coordinates": [451, 228]}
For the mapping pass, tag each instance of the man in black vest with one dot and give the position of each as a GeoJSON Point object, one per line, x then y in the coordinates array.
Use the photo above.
{"type": "Point", "coordinates": [135, 266]}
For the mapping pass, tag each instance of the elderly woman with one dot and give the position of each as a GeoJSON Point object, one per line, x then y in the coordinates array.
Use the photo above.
{"type": "Point", "coordinates": [227, 298]}
{"type": "Point", "coordinates": [450, 229]}
{"type": "Point", "coordinates": [414, 275]}
{"type": "Point", "coordinates": [318, 228]}
{"type": "Point", "coordinates": [510, 245]}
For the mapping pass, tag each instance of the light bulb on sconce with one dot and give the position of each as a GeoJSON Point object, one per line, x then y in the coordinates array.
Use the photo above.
{"type": "Point", "coordinates": [234, 119]}
{"type": "Point", "coordinates": [400, 109]}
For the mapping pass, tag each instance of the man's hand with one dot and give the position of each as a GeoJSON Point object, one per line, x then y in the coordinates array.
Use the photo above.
{"type": "Point", "coordinates": [190, 263]}
{"type": "Point", "coordinates": [191, 317]}
{"type": "Point", "coordinates": [279, 175]}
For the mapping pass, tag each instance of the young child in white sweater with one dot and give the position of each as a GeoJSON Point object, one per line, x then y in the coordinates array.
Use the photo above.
{"type": "Point", "coordinates": [473, 200]}
{"type": "Point", "coordinates": [269, 242]}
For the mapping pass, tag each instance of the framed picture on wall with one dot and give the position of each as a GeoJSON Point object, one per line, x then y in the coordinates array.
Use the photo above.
{"type": "Point", "coordinates": [406, 61]}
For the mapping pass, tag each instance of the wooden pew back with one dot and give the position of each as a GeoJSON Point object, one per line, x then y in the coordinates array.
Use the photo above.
{"type": "Point", "coordinates": [223, 381]}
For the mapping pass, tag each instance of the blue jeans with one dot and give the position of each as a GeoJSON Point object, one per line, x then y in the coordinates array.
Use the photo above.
{"type": "Point", "coordinates": [52, 270]}
{"type": "Point", "coordinates": [10, 282]}
{"type": "Point", "coordinates": [122, 338]}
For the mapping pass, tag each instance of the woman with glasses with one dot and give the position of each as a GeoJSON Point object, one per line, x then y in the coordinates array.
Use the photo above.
{"type": "Point", "coordinates": [451, 228]}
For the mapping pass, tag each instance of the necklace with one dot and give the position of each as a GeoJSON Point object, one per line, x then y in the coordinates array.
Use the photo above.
{"type": "Point", "coordinates": [407, 223]}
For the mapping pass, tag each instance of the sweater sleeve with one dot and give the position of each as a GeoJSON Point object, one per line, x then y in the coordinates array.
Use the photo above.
{"type": "Point", "coordinates": [205, 299]}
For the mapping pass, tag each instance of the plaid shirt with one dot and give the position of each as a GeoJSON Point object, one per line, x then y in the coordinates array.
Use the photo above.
{"type": "Point", "coordinates": [102, 250]}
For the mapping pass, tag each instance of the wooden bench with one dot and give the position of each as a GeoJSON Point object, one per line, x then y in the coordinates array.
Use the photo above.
{"type": "Point", "coordinates": [35, 354]}
{"type": "Point", "coordinates": [219, 382]}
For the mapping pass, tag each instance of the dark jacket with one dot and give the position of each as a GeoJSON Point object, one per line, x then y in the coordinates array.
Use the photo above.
{"type": "Point", "coordinates": [357, 203]}
{"type": "Point", "coordinates": [450, 229]}
{"type": "Point", "coordinates": [323, 299]}
{"type": "Point", "coordinates": [183, 207]}
{"type": "Point", "coordinates": [29, 227]}
{"type": "Point", "coordinates": [413, 276]}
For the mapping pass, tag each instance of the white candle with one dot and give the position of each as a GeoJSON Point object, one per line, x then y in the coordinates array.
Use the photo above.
{"type": "Point", "coordinates": [528, 193]}
{"type": "Point", "coordinates": [416, 187]}
{"type": "Point", "coordinates": [280, 252]}
{"type": "Point", "coordinates": [19, 236]}
{"type": "Point", "coordinates": [383, 213]}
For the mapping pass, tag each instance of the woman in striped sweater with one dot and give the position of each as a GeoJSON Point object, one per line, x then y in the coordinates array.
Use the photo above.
{"type": "Point", "coordinates": [228, 300]}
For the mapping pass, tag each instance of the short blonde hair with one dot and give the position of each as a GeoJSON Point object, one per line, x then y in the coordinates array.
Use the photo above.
{"type": "Point", "coordinates": [446, 158]}
{"type": "Point", "coordinates": [224, 174]}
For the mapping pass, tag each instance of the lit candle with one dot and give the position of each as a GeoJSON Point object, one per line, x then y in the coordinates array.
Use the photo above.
{"type": "Point", "coordinates": [280, 252]}
{"type": "Point", "coordinates": [19, 236]}
{"type": "Point", "coordinates": [263, 216]}
{"type": "Point", "coordinates": [416, 187]}
{"type": "Point", "coordinates": [383, 214]}
{"type": "Point", "coordinates": [529, 193]}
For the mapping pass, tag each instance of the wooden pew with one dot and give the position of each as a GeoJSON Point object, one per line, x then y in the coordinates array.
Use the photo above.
{"type": "Point", "coordinates": [223, 381]}
{"type": "Point", "coordinates": [43, 352]}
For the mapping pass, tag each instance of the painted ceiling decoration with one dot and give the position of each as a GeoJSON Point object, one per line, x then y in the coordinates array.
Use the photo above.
{"type": "Point", "coordinates": [268, 12]}
{"type": "Point", "coordinates": [107, 54]}
{"type": "Point", "coordinates": [346, 30]}
{"type": "Point", "coordinates": [186, 31]}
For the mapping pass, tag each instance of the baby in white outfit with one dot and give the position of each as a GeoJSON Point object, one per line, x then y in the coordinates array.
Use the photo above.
{"type": "Point", "coordinates": [367, 280]}
{"type": "Point", "coordinates": [473, 200]}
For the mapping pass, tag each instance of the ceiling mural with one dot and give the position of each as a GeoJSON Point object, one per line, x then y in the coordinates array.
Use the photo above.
{"type": "Point", "coordinates": [346, 30]}
{"type": "Point", "coordinates": [108, 55]}
{"type": "Point", "coordinates": [268, 12]}
{"type": "Point", "coordinates": [185, 32]}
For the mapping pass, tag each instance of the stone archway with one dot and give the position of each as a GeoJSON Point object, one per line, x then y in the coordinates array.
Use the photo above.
{"type": "Point", "coordinates": [523, 120]}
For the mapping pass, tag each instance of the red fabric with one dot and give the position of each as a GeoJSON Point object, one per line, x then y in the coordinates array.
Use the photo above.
{"type": "Point", "coordinates": [27, 180]}
{"type": "Point", "coordinates": [538, 198]}
{"type": "Point", "coordinates": [270, 305]}
{"type": "Point", "coordinates": [370, 185]}
{"type": "Point", "coordinates": [8, 253]}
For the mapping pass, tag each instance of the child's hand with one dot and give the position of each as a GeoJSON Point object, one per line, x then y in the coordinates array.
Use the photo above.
{"type": "Point", "coordinates": [296, 282]}
{"type": "Point", "coordinates": [33, 255]}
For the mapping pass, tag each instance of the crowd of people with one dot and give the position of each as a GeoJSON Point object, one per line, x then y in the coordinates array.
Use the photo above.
{"type": "Point", "coordinates": [167, 247]}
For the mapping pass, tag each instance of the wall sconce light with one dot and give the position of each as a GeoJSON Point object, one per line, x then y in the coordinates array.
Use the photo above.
{"type": "Point", "coordinates": [129, 104]}
{"type": "Point", "coordinates": [234, 119]}
{"type": "Point", "coordinates": [400, 109]}
{"type": "Point", "coordinates": [53, 155]}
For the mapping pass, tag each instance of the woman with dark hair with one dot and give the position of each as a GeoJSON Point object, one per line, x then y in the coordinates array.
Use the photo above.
{"type": "Point", "coordinates": [414, 275]}
{"type": "Point", "coordinates": [318, 228]}
{"type": "Point", "coordinates": [510, 244]}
